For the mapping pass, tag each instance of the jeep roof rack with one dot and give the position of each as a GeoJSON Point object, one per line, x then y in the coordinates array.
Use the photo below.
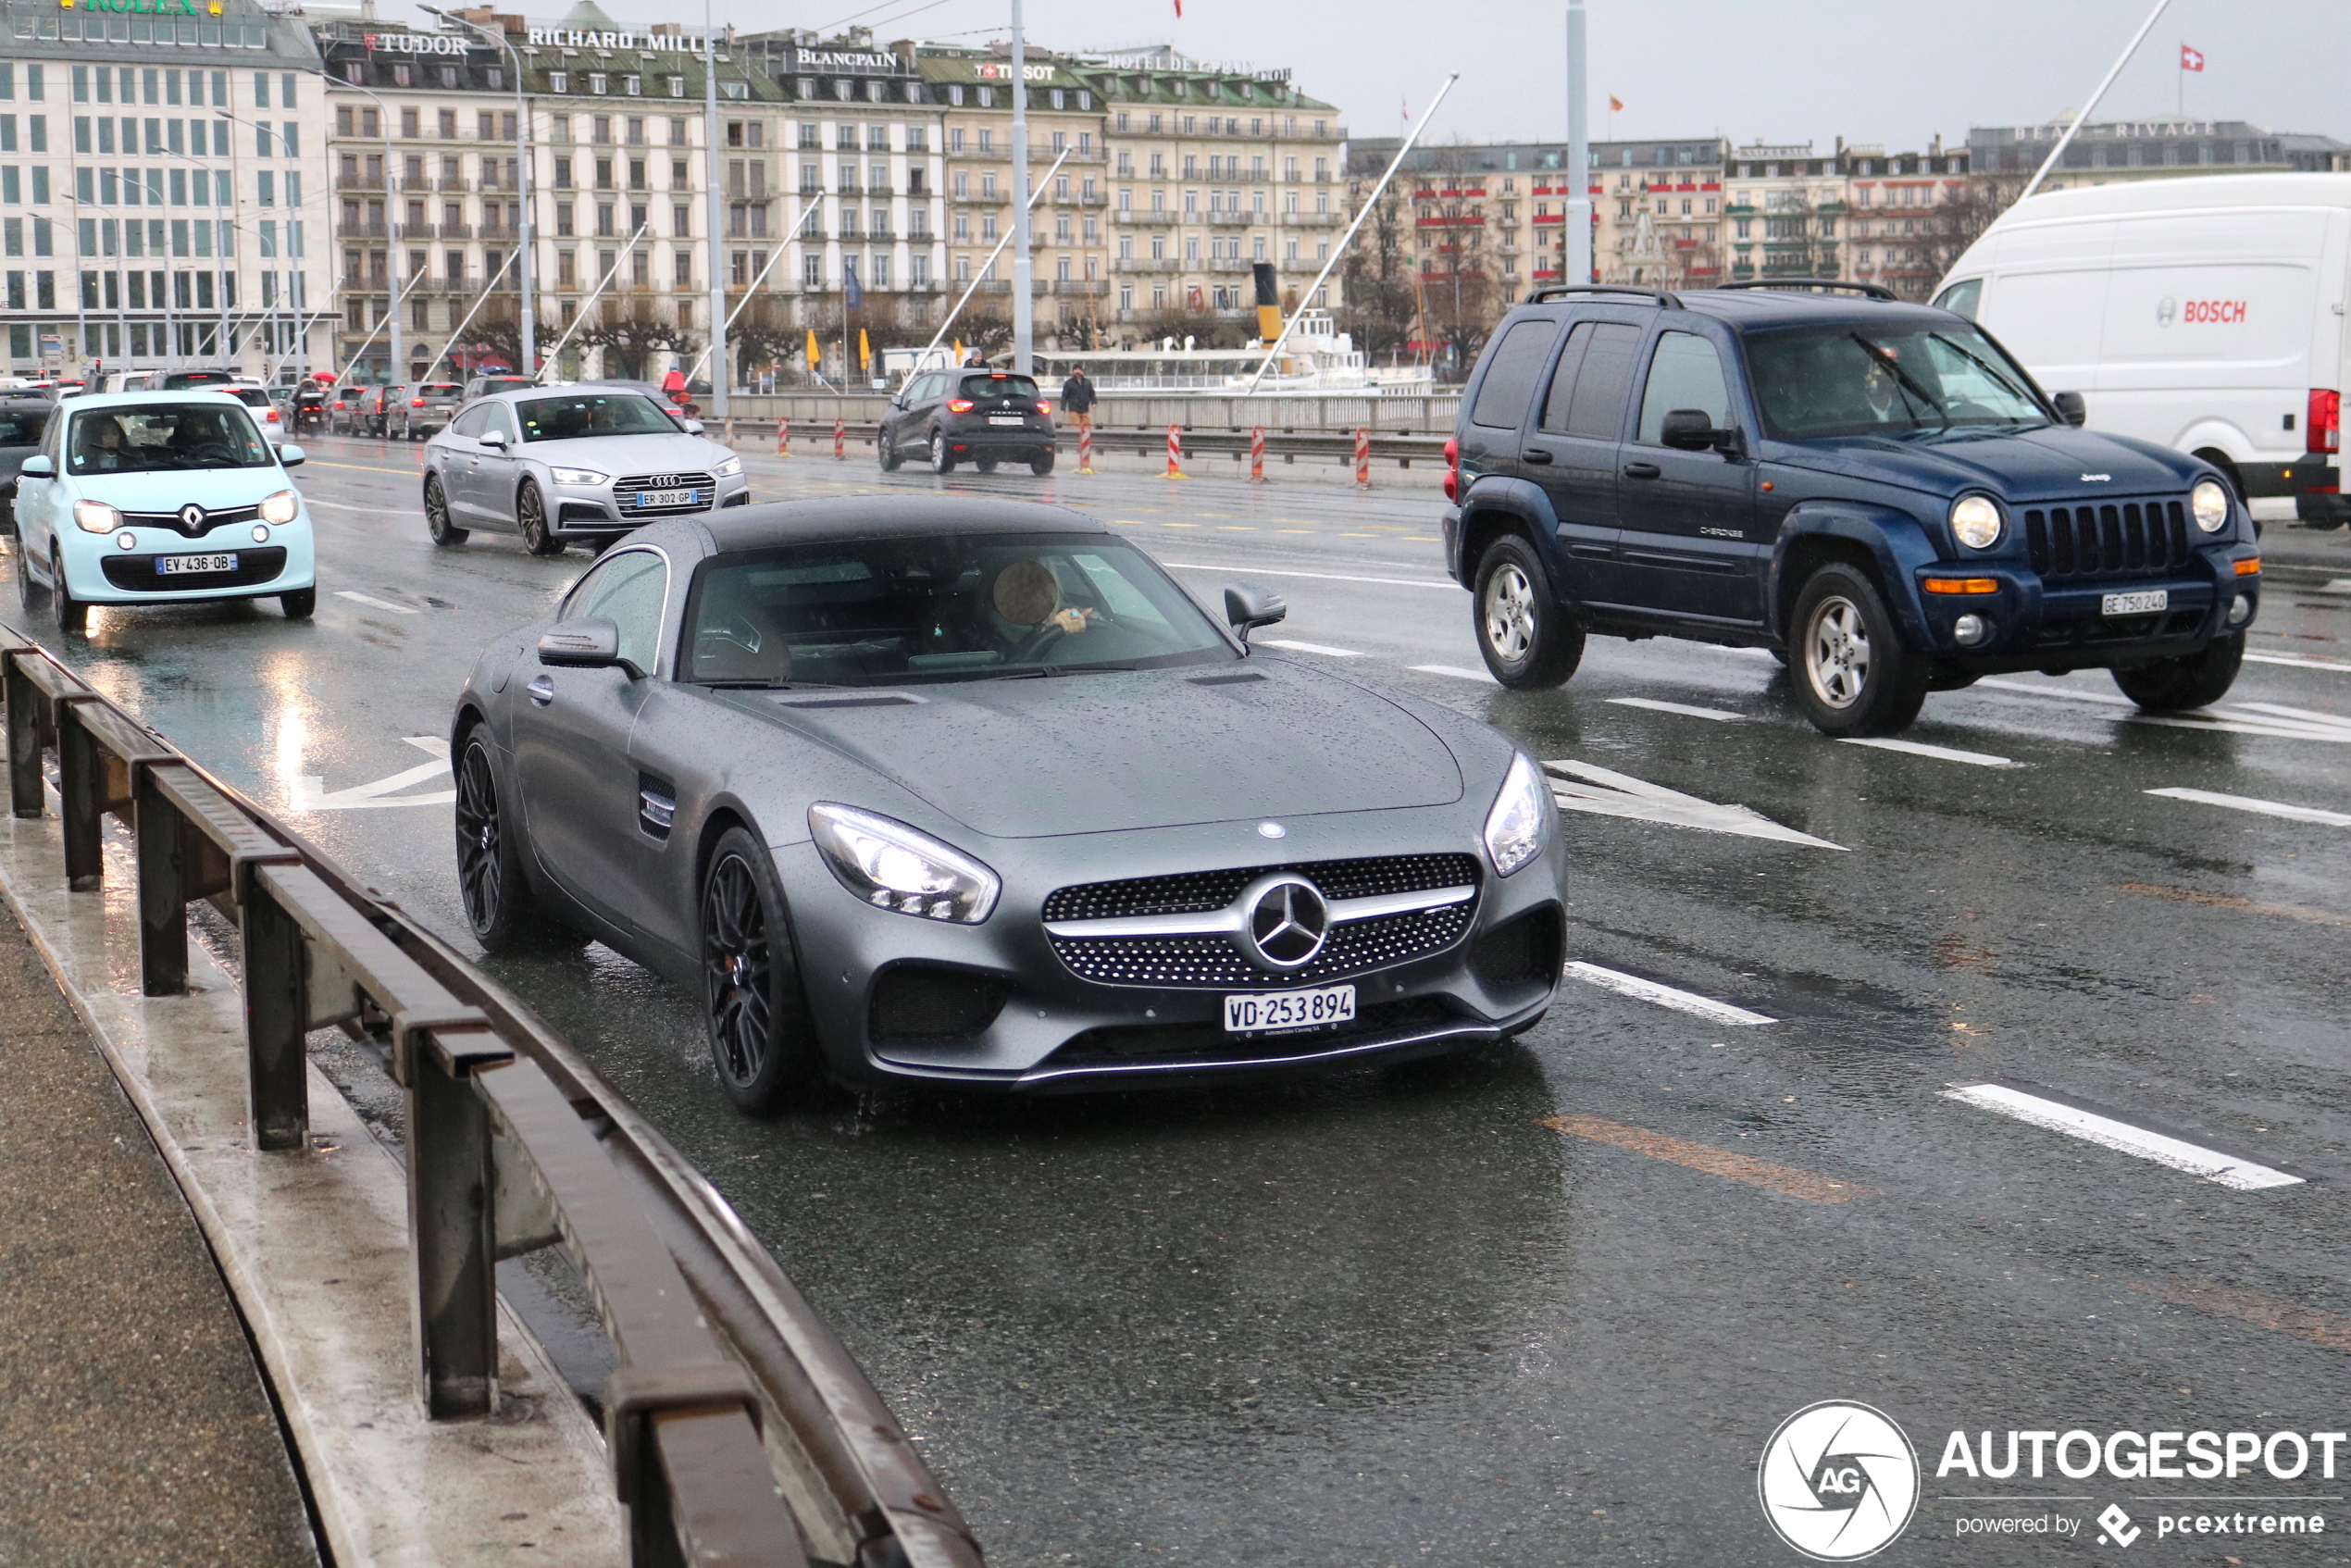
{"type": "Point", "coordinates": [1874, 291]}
{"type": "Point", "coordinates": [1552, 290]}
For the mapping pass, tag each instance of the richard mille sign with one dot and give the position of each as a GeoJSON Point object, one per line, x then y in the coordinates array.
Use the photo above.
{"type": "Point", "coordinates": [654, 43]}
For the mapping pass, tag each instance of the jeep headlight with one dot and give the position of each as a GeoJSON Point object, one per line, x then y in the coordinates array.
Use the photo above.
{"type": "Point", "coordinates": [896, 867]}
{"type": "Point", "coordinates": [729, 468]}
{"type": "Point", "coordinates": [280, 508]}
{"type": "Point", "coordinates": [1976, 520]}
{"type": "Point", "coordinates": [1515, 825]}
{"type": "Point", "coordinates": [95, 516]}
{"type": "Point", "coordinates": [2209, 502]}
{"type": "Point", "coordinates": [580, 475]}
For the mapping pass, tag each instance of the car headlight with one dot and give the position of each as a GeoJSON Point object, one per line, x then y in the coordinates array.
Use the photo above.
{"type": "Point", "coordinates": [280, 508]}
{"type": "Point", "coordinates": [895, 868]}
{"type": "Point", "coordinates": [1515, 826]}
{"type": "Point", "coordinates": [1976, 520]}
{"type": "Point", "coordinates": [729, 468]}
{"type": "Point", "coordinates": [96, 517]}
{"type": "Point", "coordinates": [2209, 502]}
{"type": "Point", "coordinates": [580, 475]}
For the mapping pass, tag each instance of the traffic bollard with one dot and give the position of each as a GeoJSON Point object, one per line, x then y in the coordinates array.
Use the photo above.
{"type": "Point", "coordinates": [840, 440]}
{"type": "Point", "coordinates": [1175, 451]}
{"type": "Point", "coordinates": [1257, 454]}
{"type": "Point", "coordinates": [1084, 449]}
{"type": "Point", "coordinates": [731, 430]}
{"type": "Point", "coordinates": [783, 438]}
{"type": "Point", "coordinates": [1362, 459]}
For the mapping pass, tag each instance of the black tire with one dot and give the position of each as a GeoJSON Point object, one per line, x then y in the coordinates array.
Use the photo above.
{"type": "Point", "coordinates": [942, 460]}
{"type": "Point", "coordinates": [986, 465]}
{"type": "Point", "coordinates": [762, 1040]}
{"type": "Point", "coordinates": [301, 604]}
{"type": "Point", "coordinates": [1527, 638]}
{"type": "Point", "coordinates": [530, 516]}
{"type": "Point", "coordinates": [886, 447]}
{"type": "Point", "coordinates": [503, 912]}
{"type": "Point", "coordinates": [29, 588]}
{"type": "Point", "coordinates": [1042, 464]}
{"type": "Point", "coordinates": [1852, 672]}
{"type": "Point", "coordinates": [2197, 680]}
{"type": "Point", "coordinates": [437, 523]}
{"type": "Point", "coordinates": [72, 614]}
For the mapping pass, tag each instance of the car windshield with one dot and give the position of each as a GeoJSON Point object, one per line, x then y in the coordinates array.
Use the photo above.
{"type": "Point", "coordinates": [252, 397]}
{"type": "Point", "coordinates": [958, 607]}
{"type": "Point", "coordinates": [989, 389]}
{"type": "Point", "coordinates": [23, 427]}
{"type": "Point", "coordinates": [1816, 382]}
{"type": "Point", "coordinates": [156, 437]}
{"type": "Point", "coordinates": [593, 414]}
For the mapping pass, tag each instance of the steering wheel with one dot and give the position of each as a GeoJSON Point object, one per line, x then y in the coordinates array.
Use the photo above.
{"type": "Point", "coordinates": [1033, 650]}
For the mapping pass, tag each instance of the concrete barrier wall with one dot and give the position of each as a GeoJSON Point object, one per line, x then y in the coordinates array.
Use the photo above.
{"type": "Point", "coordinates": [1389, 415]}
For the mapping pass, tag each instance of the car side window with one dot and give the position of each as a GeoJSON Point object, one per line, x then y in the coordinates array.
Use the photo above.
{"type": "Point", "coordinates": [1963, 297]}
{"type": "Point", "coordinates": [1579, 340]}
{"type": "Point", "coordinates": [496, 417]}
{"type": "Point", "coordinates": [472, 422]}
{"type": "Point", "coordinates": [1511, 373]}
{"type": "Point", "coordinates": [628, 589]}
{"type": "Point", "coordinates": [1685, 371]}
{"type": "Point", "coordinates": [1593, 406]}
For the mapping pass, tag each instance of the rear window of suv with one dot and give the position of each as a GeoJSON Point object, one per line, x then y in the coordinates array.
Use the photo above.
{"type": "Point", "coordinates": [990, 389]}
{"type": "Point", "coordinates": [1511, 372]}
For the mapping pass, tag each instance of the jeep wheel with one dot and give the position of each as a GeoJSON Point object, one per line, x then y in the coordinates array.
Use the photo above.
{"type": "Point", "coordinates": [1853, 674]}
{"type": "Point", "coordinates": [2197, 680]}
{"type": "Point", "coordinates": [1527, 638]}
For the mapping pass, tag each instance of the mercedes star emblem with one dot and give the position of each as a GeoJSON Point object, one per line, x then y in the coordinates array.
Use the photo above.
{"type": "Point", "coordinates": [1288, 921]}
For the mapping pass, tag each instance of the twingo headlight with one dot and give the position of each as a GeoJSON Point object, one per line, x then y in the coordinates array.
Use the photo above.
{"type": "Point", "coordinates": [580, 475]}
{"type": "Point", "coordinates": [2209, 502]}
{"type": "Point", "coordinates": [280, 508]}
{"type": "Point", "coordinates": [1976, 520]}
{"type": "Point", "coordinates": [893, 866]}
{"type": "Point", "coordinates": [729, 468]}
{"type": "Point", "coordinates": [95, 516]}
{"type": "Point", "coordinates": [1515, 825]}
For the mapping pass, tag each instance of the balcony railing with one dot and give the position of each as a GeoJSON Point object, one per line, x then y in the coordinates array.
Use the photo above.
{"type": "Point", "coordinates": [362, 232]}
{"type": "Point", "coordinates": [347, 180]}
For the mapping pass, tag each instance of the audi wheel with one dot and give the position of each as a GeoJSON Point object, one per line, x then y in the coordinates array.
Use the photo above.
{"type": "Point", "coordinates": [530, 516]}
{"type": "Point", "coordinates": [437, 521]}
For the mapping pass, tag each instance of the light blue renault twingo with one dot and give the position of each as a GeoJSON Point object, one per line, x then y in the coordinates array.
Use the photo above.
{"type": "Point", "coordinates": [150, 498]}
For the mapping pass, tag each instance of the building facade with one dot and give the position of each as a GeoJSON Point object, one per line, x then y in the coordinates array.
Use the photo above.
{"type": "Point", "coordinates": [2163, 147]}
{"type": "Point", "coordinates": [1856, 213]}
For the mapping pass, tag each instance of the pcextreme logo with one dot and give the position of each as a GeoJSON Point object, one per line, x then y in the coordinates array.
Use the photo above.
{"type": "Point", "coordinates": [1839, 1481]}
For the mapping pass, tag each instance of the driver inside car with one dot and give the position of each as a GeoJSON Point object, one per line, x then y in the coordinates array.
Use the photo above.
{"type": "Point", "coordinates": [1029, 595]}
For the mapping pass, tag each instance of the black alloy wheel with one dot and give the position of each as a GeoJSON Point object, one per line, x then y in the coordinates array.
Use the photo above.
{"type": "Point", "coordinates": [762, 1040]}
{"type": "Point", "coordinates": [1530, 641]}
{"type": "Point", "coordinates": [500, 908]}
{"type": "Point", "coordinates": [942, 460]}
{"type": "Point", "coordinates": [73, 616]}
{"type": "Point", "coordinates": [886, 445]}
{"type": "Point", "coordinates": [437, 521]}
{"type": "Point", "coordinates": [1042, 464]}
{"type": "Point", "coordinates": [1851, 673]}
{"type": "Point", "coordinates": [530, 515]}
{"type": "Point", "coordinates": [2193, 680]}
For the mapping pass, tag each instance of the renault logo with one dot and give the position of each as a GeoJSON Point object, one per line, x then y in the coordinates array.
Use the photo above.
{"type": "Point", "coordinates": [1288, 921]}
{"type": "Point", "coordinates": [192, 517]}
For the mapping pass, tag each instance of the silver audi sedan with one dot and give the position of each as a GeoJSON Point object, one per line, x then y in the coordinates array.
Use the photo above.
{"type": "Point", "coordinates": [579, 465]}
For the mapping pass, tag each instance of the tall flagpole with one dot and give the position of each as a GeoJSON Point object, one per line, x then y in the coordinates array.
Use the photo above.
{"type": "Point", "coordinates": [2067, 140]}
{"type": "Point", "coordinates": [1024, 264]}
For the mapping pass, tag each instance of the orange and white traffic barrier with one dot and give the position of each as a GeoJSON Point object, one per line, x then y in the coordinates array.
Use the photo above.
{"type": "Point", "coordinates": [1084, 449]}
{"type": "Point", "coordinates": [1362, 459]}
{"type": "Point", "coordinates": [1175, 451]}
{"type": "Point", "coordinates": [783, 438]}
{"type": "Point", "coordinates": [1257, 454]}
{"type": "Point", "coordinates": [841, 439]}
{"type": "Point", "coordinates": [731, 430]}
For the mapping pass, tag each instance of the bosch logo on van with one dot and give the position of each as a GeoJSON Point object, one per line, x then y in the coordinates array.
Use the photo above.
{"type": "Point", "coordinates": [2219, 312]}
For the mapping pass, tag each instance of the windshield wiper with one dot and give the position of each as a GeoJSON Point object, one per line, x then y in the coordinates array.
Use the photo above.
{"type": "Point", "coordinates": [1056, 671]}
{"type": "Point", "coordinates": [1981, 363]}
{"type": "Point", "coordinates": [1902, 376]}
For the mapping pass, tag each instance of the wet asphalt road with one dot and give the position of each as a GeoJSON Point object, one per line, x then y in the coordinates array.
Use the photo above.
{"type": "Point", "coordinates": [1544, 1306]}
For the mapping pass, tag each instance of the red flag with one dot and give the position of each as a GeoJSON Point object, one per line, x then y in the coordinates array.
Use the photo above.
{"type": "Point", "coordinates": [1179, 10]}
{"type": "Point", "coordinates": [2190, 59]}
{"type": "Point", "coordinates": [1614, 101]}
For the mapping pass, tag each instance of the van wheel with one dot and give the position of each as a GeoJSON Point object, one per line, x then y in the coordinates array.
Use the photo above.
{"type": "Point", "coordinates": [1854, 675]}
{"type": "Point", "coordinates": [1527, 638]}
{"type": "Point", "coordinates": [2198, 681]}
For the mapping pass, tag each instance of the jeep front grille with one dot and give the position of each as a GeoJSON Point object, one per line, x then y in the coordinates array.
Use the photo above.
{"type": "Point", "coordinates": [2109, 538]}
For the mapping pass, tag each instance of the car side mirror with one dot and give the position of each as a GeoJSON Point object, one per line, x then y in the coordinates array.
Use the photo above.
{"type": "Point", "coordinates": [494, 438]}
{"type": "Point", "coordinates": [2070, 408]}
{"type": "Point", "coordinates": [1693, 430]}
{"type": "Point", "coordinates": [1248, 607]}
{"type": "Point", "coordinates": [693, 427]}
{"type": "Point", "coordinates": [292, 456]}
{"type": "Point", "coordinates": [589, 643]}
{"type": "Point", "coordinates": [37, 468]}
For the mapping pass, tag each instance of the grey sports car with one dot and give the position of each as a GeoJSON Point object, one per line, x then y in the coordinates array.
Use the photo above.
{"type": "Point", "coordinates": [924, 787]}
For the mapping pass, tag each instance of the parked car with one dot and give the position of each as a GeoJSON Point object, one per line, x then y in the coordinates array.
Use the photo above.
{"type": "Point", "coordinates": [482, 386]}
{"type": "Point", "coordinates": [189, 380]}
{"type": "Point", "coordinates": [1875, 491]}
{"type": "Point", "coordinates": [378, 420]}
{"type": "Point", "coordinates": [24, 418]}
{"type": "Point", "coordinates": [982, 417]}
{"type": "Point", "coordinates": [138, 498]}
{"type": "Point", "coordinates": [2207, 315]}
{"type": "Point", "coordinates": [783, 757]}
{"type": "Point", "coordinates": [266, 411]}
{"type": "Point", "coordinates": [347, 410]}
{"type": "Point", "coordinates": [570, 465]}
{"type": "Point", "coordinates": [426, 409]}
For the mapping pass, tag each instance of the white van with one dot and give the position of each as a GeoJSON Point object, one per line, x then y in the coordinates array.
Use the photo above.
{"type": "Point", "coordinates": [2207, 314]}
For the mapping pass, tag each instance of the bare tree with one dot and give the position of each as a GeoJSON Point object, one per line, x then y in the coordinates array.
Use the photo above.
{"type": "Point", "coordinates": [1459, 300]}
{"type": "Point", "coordinates": [1955, 226]}
{"type": "Point", "coordinates": [1375, 286]}
{"type": "Point", "coordinates": [629, 333]}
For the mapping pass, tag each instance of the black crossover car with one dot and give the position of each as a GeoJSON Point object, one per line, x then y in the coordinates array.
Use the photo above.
{"type": "Point", "coordinates": [971, 792]}
{"type": "Point", "coordinates": [982, 417]}
{"type": "Point", "coordinates": [1875, 490]}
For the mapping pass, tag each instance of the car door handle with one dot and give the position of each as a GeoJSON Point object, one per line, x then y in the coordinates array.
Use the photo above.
{"type": "Point", "coordinates": [1642, 470]}
{"type": "Point", "coordinates": [1536, 454]}
{"type": "Point", "coordinates": [542, 690]}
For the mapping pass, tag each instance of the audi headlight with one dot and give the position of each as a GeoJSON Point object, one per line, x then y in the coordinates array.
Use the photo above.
{"type": "Point", "coordinates": [730, 468]}
{"type": "Point", "coordinates": [95, 516]}
{"type": "Point", "coordinates": [2209, 502]}
{"type": "Point", "coordinates": [1976, 520]}
{"type": "Point", "coordinates": [580, 475]}
{"type": "Point", "coordinates": [1515, 826]}
{"type": "Point", "coordinates": [280, 508]}
{"type": "Point", "coordinates": [895, 868]}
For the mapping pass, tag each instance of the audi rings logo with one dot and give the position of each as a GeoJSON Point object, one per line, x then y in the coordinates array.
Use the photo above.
{"type": "Point", "coordinates": [1839, 1481]}
{"type": "Point", "coordinates": [192, 517]}
{"type": "Point", "coordinates": [1288, 921]}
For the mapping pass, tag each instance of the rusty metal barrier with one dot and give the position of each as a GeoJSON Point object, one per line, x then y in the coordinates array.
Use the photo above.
{"type": "Point", "coordinates": [740, 1430]}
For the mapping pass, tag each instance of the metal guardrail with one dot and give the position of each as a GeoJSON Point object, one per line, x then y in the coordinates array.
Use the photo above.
{"type": "Point", "coordinates": [740, 1430]}
{"type": "Point", "coordinates": [1150, 441]}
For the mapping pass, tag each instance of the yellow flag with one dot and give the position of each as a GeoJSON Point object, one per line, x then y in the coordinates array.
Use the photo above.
{"type": "Point", "coordinates": [959, 351]}
{"type": "Point", "coordinates": [864, 350]}
{"type": "Point", "coordinates": [816, 355]}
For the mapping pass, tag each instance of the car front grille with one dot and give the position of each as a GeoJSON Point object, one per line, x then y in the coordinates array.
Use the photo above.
{"type": "Point", "coordinates": [1187, 892]}
{"type": "Point", "coordinates": [212, 520]}
{"type": "Point", "coordinates": [625, 491]}
{"type": "Point", "coordinates": [138, 574]}
{"type": "Point", "coordinates": [2109, 538]}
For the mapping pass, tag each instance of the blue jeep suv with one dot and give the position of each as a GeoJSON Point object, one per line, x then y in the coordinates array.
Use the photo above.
{"type": "Point", "coordinates": [1876, 492]}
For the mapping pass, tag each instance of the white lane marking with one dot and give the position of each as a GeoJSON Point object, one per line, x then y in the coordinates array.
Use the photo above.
{"type": "Point", "coordinates": [1921, 749]}
{"type": "Point", "coordinates": [1606, 794]}
{"type": "Point", "coordinates": [1685, 709]}
{"type": "Point", "coordinates": [1323, 577]}
{"type": "Point", "coordinates": [2337, 585]}
{"type": "Point", "coordinates": [2054, 694]}
{"type": "Point", "coordinates": [311, 793]}
{"type": "Point", "coordinates": [1664, 996]}
{"type": "Point", "coordinates": [2299, 661]}
{"type": "Point", "coordinates": [2210, 1164]}
{"type": "Point", "coordinates": [2265, 808]}
{"type": "Point", "coordinates": [371, 601]}
{"type": "Point", "coordinates": [2238, 719]}
{"type": "Point", "coordinates": [1297, 647]}
{"type": "Point", "coordinates": [2282, 728]}
{"type": "Point", "coordinates": [340, 506]}
{"type": "Point", "coordinates": [1458, 672]}
{"type": "Point", "coordinates": [2309, 715]}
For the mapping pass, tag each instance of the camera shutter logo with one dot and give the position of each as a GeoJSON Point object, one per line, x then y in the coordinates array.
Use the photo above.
{"type": "Point", "coordinates": [1839, 1481]}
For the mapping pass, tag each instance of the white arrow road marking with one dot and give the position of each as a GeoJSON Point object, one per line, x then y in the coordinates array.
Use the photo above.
{"type": "Point", "coordinates": [371, 601]}
{"type": "Point", "coordinates": [1323, 648]}
{"type": "Point", "coordinates": [1605, 793]}
{"type": "Point", "coordinates": [2228, 1170]}
{"type": "Point", "coordinates": [1685, 709]}
{"type": "Point", "coordinates": [2265, 808]}
{"type": "Point", "coordinates": [1664, 996]}
{"type": "Point", "coordinates": [2300, 661]}
{"type": "Point", "coordinates": [1458, 672]}
{"type": "Point", "coordinates": [2337, 585]}
{"type": "Point", "coordinates": [311, 794]}
{"type": "Point", "coordinates": [1921, 749]}
{"type": "Point", "coordinates": [2227, 723]}
{"type": "Point", "coordinates": [2054, 694]}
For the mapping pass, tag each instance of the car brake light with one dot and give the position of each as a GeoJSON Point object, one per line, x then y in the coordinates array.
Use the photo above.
{"type": "Point", "coordinates": [2325, 423]}
{"type": "Point", "coordinates": [1452, 467]}
{"type": "Point", "coordinates": [961, 405]}
{"type": "Point", "coordinates": [415, 402]}
{"type": "Point", "coordinates": [1044, 405]}
{"type": "Point", "coordinates": [272, 416]}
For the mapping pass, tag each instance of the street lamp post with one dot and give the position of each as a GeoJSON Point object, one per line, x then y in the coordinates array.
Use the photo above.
{"type": "Point", "coordinates": [1024, 265]}
{"type": "Point", "coordinates": [721, 371]}
{"type": "Point", "coordinates": [529, 366]}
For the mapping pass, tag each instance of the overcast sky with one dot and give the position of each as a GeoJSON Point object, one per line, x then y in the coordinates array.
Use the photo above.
{"type": "Point", "coordinates": [1897, 72]}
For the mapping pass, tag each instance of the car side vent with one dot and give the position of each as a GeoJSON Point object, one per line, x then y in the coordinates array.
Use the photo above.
{"type": "Point", "coordinates": [656, 804]}
{"type": "Point", "coordinates": [849, 700]}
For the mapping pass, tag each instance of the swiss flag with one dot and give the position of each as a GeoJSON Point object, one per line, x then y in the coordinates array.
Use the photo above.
{"type": "Point", "coordinates": [2190, 59]}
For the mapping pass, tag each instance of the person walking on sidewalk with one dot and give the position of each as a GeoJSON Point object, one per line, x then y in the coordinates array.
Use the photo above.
{"type": "Point", "coordinates": [1077, 397]}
